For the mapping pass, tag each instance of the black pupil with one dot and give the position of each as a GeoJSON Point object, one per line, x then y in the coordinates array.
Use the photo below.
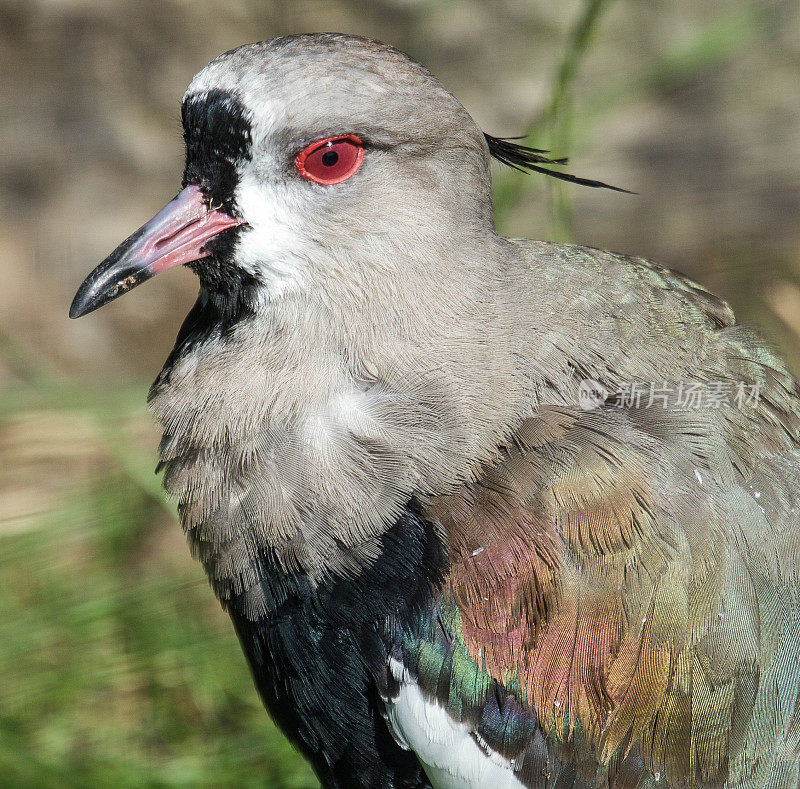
{"type": "Point", "coordinates": [329, 158]}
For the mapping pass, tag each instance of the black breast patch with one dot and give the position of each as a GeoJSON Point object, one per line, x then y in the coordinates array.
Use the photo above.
{"type": "Point", "coordinates": [319, 655]}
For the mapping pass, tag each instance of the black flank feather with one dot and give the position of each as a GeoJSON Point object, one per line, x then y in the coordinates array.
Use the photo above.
{"type": "Point", "coordinates": [525, 159]}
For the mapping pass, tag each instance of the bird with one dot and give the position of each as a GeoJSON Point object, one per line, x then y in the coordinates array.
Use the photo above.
{"type": "Point", "coordinates": [484, 512]}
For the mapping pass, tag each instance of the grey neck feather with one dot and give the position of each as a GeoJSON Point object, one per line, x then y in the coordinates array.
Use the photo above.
{"type": "Point", "coordinates": [305, 429]}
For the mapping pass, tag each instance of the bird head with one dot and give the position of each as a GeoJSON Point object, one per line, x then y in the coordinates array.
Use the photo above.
{"type": "Point", "coordinates": [310, 160]}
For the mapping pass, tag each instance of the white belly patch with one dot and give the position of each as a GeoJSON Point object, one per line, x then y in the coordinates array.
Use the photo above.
{"type": "Point", "coordinates": [447, 749]}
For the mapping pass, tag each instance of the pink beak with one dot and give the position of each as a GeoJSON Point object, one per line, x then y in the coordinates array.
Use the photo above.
{"type": "Point", "coordinates": [177, 234]}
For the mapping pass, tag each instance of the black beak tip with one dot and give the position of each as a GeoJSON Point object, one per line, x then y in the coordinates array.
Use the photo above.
{"type": "Point", "coordinates": [83, 303]}
{"type": "Point", "coordinates": [113, 277]}
{"type": "Point", "coordinates": [76, 310]}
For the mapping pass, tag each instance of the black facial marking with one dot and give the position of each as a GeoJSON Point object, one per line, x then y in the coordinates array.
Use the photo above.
{"type": "Point", "coordinates": [218, 136]}
{"type": "Point", "coordinates": [215, 314]}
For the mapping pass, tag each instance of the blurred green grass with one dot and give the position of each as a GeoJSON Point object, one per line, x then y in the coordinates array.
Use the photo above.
{"type": "Point", "coordinates": [118, 668]}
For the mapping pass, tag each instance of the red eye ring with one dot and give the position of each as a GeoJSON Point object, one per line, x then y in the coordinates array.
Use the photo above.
{"type": "Point", "coordinates": [332, 160]}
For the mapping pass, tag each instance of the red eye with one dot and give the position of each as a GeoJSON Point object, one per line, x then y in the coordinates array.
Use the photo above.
{"type": "Point", "coordinates": [332, 160]}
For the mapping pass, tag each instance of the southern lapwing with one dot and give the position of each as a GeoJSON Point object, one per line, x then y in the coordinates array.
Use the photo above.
{"type": "Point", "coordinates": [484, 512]}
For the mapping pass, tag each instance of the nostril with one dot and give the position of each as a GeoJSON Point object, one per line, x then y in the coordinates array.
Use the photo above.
{"type": "Point", "coordinates": [165, 240]}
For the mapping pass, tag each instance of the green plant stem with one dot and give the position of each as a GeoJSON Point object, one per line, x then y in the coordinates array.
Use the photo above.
{"type": "Point", "coordinates": [554, 123]}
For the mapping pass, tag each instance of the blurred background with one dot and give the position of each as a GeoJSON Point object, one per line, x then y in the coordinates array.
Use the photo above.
{"type": "Point", "coordinates": [116, 665]}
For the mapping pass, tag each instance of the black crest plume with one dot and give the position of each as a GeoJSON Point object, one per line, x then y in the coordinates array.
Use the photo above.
{"type": "Point", "coordinates": [522, 158]}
